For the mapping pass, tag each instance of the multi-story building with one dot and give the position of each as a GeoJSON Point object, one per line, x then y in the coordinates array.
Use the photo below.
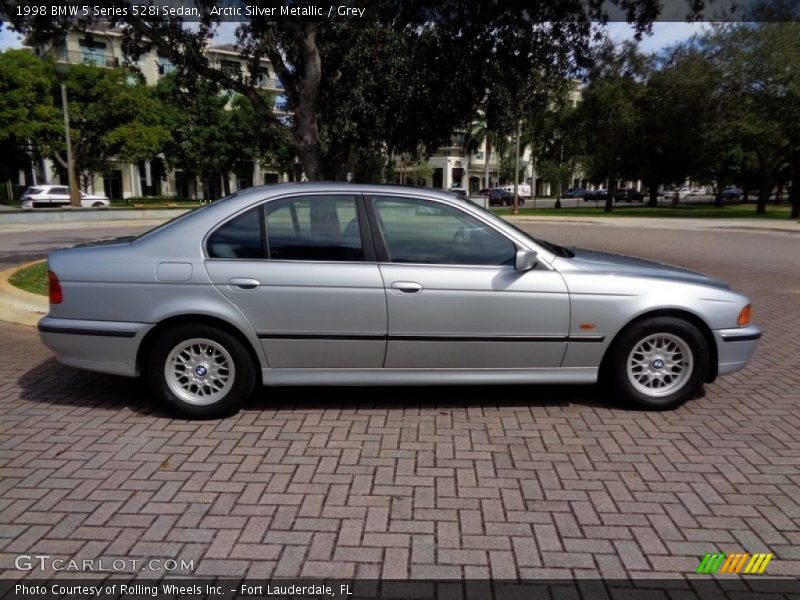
{"type": "Point", "coordinates": [454, 166]}
{"type": "Point", "coordinates": [104, 46]}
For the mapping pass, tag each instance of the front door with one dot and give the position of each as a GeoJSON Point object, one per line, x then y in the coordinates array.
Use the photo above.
{"type": "Point", "coordinates": [454, 297]}
{"type": "Point", "coordinates": [302, 271]}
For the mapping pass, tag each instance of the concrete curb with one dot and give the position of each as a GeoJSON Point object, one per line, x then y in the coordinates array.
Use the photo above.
{"type": "Point", "coordinates": [77, 215]}
{"type": "Point", "coordinates": [731, 224]}
{"type": "Point", "coordinates": [19, 306]}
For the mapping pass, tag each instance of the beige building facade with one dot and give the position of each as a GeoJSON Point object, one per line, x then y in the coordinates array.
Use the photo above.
{"type": "Point", "coordinates": [105, 47]}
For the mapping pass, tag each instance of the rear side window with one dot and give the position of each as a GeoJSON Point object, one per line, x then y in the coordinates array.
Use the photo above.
{"type": "Point", "coordinates": [319, 228]}
{"type": "Point", "coordinates": [238, 238]}
{"type": "Point", "coordinates": [59, 190]}
{"type": "Point", "coordinates": [32, 191]}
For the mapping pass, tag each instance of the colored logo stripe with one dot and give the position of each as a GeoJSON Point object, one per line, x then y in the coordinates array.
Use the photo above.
{"type": "Point", "coordinates": [734, 563]}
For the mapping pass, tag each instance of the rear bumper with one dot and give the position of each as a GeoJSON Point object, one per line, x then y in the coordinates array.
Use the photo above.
{"type": "Point", "coordinates": [104, 346]}
{"type": "Point", "coordinates": [735, 347]}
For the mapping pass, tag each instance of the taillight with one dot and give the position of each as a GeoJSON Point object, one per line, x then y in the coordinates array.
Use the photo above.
{"type": "Point", "coordinates": [744, 316]}
{"type": "Point", "coordinates": [54, 287]}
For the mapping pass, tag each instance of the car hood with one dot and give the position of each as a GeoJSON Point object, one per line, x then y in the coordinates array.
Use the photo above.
{"type": "Point", "coordinates": [619, 264]}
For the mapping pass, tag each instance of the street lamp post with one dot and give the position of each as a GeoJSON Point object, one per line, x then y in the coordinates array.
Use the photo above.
{"type": "Point", "coordinates": [516, 172]}
{"type": "Point", "coordinates": [74, 194]}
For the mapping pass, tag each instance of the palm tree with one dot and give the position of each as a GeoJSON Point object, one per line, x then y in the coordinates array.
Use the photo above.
{"type": "Point", "coordinates": [479, 134]}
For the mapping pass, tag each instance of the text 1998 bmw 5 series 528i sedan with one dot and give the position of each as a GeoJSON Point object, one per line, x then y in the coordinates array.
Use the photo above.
{"type": "Point", "coordinates": [340, 284]}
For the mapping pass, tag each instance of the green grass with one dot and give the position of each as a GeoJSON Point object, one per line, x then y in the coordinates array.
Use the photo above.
{"type": "Point", "coordinates": [32, 279]}
{"type": "Point", "coordinates": [733, 211]}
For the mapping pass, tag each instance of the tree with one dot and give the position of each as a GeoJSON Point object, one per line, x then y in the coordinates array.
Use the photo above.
{"type": "Point", "coordinates": [112, 115]}
{"type": "Point", "coordinates": [480, 134]}
{"type": "Point", "coordinates": [440, 58]}
{"type": "Point", "coordinates": [28, 118]}
{"type": "Point", "coordinates": [559, 149]}
{"type": "Point", "coordinates": [212, 130]}
{"type": "Point", "coordinates": [608, 112]}
{"type": "Point", "coordinates": [679, 128]}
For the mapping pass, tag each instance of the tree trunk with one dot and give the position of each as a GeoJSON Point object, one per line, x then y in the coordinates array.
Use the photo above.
{"type": "Point", "coordinates": [226, 183]}
{"type": "Point", "coordinates": [794, 186]}
{"type": "Point", "coordinates": [486, 162]}
{"type": "Point", "coordinates": [612, 188]}
{"type": "Point", "coordinates": [763, 195]}
{"type": "Point", "coordinates": [652, 198]}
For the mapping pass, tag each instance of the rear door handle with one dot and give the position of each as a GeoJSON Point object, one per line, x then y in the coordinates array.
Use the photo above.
{"type": "Point", "coordinates": [244, 283]}
{"type": "Point", "coordinates": [407, 287]}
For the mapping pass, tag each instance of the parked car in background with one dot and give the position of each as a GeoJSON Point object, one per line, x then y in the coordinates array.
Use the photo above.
{"type": "Point", "coordinates": [344, 284]}
{"type": "Point", "coordinates": [596, 195]}
{"type": "Point", "coordinates": [576, 192]}
{"type": "Point", "coordinates": [483, 192]}
{"type": "Point", "coordinates": [502, 197]}
{"type": "Point", "coordinates": [523, 189]}
{"type": "Point", "coordinates": [53, 196]}
{"type": "Point", "coordinates": [628, 195]}
{"type": "Point", "coordinates": [731, 193]}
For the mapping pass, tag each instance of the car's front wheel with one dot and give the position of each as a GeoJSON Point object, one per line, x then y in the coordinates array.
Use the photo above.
{"type": "Point", "coordinates": [201, 371]}
{"type": "Point", "coordinates": [658, 363]}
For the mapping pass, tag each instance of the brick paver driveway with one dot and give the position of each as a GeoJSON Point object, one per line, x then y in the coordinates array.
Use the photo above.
{"type": "Point", "coordinates": [422, 482]}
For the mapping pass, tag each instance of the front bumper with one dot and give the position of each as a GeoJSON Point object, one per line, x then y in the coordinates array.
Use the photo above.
{"type": "Point", "coordinates": [735, 347]}
{"type": "Point", "coordinates": [104, 346]}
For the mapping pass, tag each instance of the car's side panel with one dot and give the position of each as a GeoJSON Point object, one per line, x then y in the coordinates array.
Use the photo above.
{"type": "Point", "coordinates": [607, 303]}
{"type": "Point", "coordinates": [359, 377]}
{"type": "Point", "coordinates": [479, 317]}
{"type": "Point", "coordinates": [310, 314]}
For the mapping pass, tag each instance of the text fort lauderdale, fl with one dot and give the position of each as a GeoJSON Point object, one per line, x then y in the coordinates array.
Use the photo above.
{"type": "Point", "coordinates": [139, 589]}
{"type": "Point", "coordinates": [287, 11]}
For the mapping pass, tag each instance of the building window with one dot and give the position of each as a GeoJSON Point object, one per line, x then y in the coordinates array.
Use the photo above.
{"type": "Point", "coordinates": [165, 66]}
{"type": "Point", "coordinates": [92, 52]}
{"type": "Point", "coordinates": [231, 68]}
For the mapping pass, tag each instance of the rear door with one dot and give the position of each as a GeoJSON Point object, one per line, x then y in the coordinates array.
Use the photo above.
{"type": "Point", "coordinates": [57, 196]}
{"type": "Point", "coordinates": [302, 269]}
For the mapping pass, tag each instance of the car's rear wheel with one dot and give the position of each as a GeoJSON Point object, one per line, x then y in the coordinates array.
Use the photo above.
{"type": "Point", "coordinates": [98, 205]}
{"type": "Point", "coordinates": [201, 371]}
{"type": "Point", "coordinates": [658, 363]}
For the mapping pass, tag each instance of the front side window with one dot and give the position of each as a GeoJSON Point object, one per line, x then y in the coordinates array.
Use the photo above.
{"type": "Point", "coordinates": [238, 238]}
{"type": "Point", "coordinates": [320, 228]}
{"type": "Point", "coordinates": [421, 231]}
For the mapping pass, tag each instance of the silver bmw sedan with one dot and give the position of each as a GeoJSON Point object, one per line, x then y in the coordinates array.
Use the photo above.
{"type": "Point", "coordinates": [341, 284]}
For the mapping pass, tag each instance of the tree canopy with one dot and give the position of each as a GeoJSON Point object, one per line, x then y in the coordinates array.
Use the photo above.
{"type": "Point", "coordinates": [401, 79]}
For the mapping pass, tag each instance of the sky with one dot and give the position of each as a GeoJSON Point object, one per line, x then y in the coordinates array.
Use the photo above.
{"type": "Point", "coordinates": [664, 34]}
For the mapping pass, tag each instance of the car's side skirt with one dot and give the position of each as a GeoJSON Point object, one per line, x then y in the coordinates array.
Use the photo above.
{"type": "Point", "coordinates": [355, 377]}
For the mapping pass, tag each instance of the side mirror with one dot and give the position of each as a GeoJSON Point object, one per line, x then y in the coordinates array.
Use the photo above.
{"type": "Point", "coordinates": [526, 260]}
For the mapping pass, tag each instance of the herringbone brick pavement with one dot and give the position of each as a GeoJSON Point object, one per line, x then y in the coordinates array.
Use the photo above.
{"type": "Point", "coordinates": [470, 482]}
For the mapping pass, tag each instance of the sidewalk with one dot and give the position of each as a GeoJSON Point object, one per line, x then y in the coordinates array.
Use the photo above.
{"type": "Point", "coordinates": [684, 223]}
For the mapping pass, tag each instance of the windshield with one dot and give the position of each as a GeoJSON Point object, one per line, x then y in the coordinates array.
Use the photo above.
{"type": "Point", "coordinates": [554, 248]}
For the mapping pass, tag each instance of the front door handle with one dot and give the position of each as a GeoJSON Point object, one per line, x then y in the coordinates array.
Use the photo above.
{"type": "Point", "coordinates": [407, 287]}
{"type": "Point", "coordinates": [244, 283]}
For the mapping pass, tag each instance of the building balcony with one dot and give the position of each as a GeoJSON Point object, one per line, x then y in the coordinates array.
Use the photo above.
{"type": "Point", "coordinates": [86, 57]}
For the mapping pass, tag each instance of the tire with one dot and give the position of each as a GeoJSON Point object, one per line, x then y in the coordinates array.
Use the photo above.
{"type": "Point", "coordinates": [200, 348]}
{"type": "Point", "coordinates": [98, 205]}
{"type": "Point", "coordinates": [637, 369]}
